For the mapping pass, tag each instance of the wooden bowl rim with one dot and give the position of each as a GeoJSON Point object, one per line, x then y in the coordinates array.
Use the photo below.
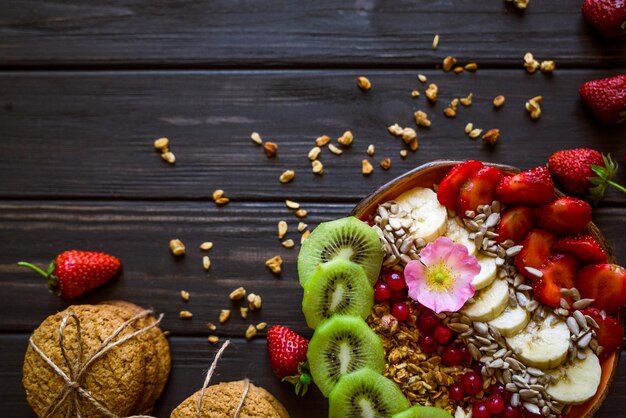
{"type": "Point", "coordinates": [588, 409]}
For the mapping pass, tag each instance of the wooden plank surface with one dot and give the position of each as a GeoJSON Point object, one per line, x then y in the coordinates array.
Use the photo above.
{"type": "Point", "coordinates": [284, 33]}
{"type": "Point", "coordinates": [62, 128]}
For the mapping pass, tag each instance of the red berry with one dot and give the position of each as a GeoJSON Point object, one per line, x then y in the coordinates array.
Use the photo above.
{"type": "Point", "coordinates": [511, 412]}
{"type": "Point", "coordinates": [443, 334]}
{"type": "Point", "coordinates": [472, 383]}
{"type": "Point", "coordinates": [427, 322]}
{"type": "Point", "coordinates": [466, 358]}
{"type": "Point", "coordinates": [495, 404]}
{"type": "Point", "coordinates": [479, 410]}
{"type": "Point", "coordinates": [499, 390]}
{"type": "Point", "coordinates": [382, 292]}
{"type": "Point", "coordinates": [528, 414]}
{"type": "Point", "coordinates": [451, 356]}
{"type": "Point", "coordinates": [400, 311]}
{"type": "Point", "coordinates": [399, 296]}
{"type": "Point", "coordinates": [395, 280]}
{"type": "Point", "coordinates": [456, 392]}
{"type": "Point", "coordinates": [428, 344]}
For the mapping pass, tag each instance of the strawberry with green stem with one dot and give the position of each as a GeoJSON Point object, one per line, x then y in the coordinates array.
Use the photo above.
{"type": "Point", "coordinates": [73, 273]}
{"type": "Point", "coordinates": [287, 353]}
{"type": "Point", "coordinates": [584, 171]}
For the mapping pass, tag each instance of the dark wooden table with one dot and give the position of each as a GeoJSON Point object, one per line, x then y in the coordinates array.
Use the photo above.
{"type": "Point", "coordinates": [85, 87]}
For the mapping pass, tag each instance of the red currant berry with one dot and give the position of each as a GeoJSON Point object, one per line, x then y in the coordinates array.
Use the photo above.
{"type": "Point", "coordinates": [495, 404]}
{"type": "Point", "coordinates": [511, 412]}
{"type": "Point", "coordinates": [381, 292]}
{"type": "Point", "coordinates": [456, 392]}
{"type": "Point", "coordinates": [428, 344]}
{"type": "Point", "coordinates": [427, 322]}
{"type": "Point", "coordinates": [443, 334]}
{"type": "Point", "coordinates": [395, 280]}
{"type": "Point", "coordinates": [472, 383]}
{"type": "Point", "coordinates": [497, 389]}
{"type": "Point", "coordinates": [450, 356]}
{"type": "Point", "coordinates": [399, 296]}
{"type": "Point", "coordinates": [400, 311]}
{"type": "Point", "coordinates": [479, 410]}
{"type": "Point", "coordinates": [466, 358]}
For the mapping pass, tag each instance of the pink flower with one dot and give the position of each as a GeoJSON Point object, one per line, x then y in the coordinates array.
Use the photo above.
{"type": "Point", "coordinates": [442, 278]}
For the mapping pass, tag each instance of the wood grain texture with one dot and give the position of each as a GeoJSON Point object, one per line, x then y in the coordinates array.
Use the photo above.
{"type": "Point", "coordinates": [61, 129]}
{"type": "Point", "coordinates": [244, 236]}
{"type": "Point", "coordinates": [284, 33]}
{"type": "Point", "coordinates": [192, 357]}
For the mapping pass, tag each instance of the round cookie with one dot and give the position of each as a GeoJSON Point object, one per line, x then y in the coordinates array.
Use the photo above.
{"type": "Point", "coordinates": [221, 401]}
{"type": "Point", "coordinates": [116, 379]}
{"type": "Point", "coordinates": [157, 356]}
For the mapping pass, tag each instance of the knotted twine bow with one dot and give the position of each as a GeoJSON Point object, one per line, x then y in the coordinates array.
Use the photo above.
{"type": "Point", "coordinates": [209, 374]}
{"type": "Point", "coordinates": [77, 368]}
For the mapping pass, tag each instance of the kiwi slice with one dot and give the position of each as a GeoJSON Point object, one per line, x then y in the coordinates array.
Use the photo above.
{"type": "Point", "coordinates": [338, 287]}
{"type": "Point", "coordinates": [419, 411]}
{"type": "Point", "coordinates": [365, 393]}
{"type": "Point", "coordinates": [341, 345]}
{"type": "Point", "coordinates": [347, 238]}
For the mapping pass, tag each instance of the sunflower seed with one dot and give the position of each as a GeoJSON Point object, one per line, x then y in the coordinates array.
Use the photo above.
{"type": "Point", "coordinates": [532, 305]}
{"type": "Point", "coordinates": [492, 220]}
{"type": "Point", "coordinates": [561, 312]}
{"type": "Point", "coordinates": [580, 318]}
{"type": "Point", "coordinates": [515, 400]}
{"type": "Point", "coordinates": [522, 299]}
{"type": "Point", "coordinates": [573, 326]}
{"type": "Point", "coordinates": [474, 352]}
{"type": "Point", "coordinates": [458, 327]}
{"type": "Point", "coordinates": [534, 271]}
{"type": "Point", "coordinates": [531, 407]}
{"type": "Point", "coordinates": [514, 250]}
{"type": "Point", "coordinates": [497, 364]}
{"type": "Point", "coordinates": [500, 353]}
{"type": "Point", "coordinates": [592, 322]}
{"type": "Point", "coordinates": [486, 359]}
{"type": "Point", "coordinates": [582, 303]}
{"type": "Point", "coordinates": [584, 341]}
{"type": "Point", "coordinates": [545, 410]}
{"type": "Point", "coordinates": [524, 287]}
{"type": "Point", "coordinates": [512, 387]}
{"type": "Point", "coordinates": [581, 355]}
{"type": "Point", "coordinates": [481, 328]}
{"type": "Point", "coordinates": [528, 394]}
{"type": "Point", "coordinates": [564, 304]}
{"type": "Point", "coordinates": [534, 371]}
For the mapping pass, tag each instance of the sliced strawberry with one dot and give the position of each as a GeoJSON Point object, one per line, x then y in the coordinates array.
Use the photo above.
{"type": "Point", "coordinates": [559, 271]}
{"type": "Point", "coordinates": [584, 247]}
{"type": "Point", "coordinates": [479, 189]}
{"type": "Point", "coordinates": [448, 191]}
{"type": "Point", "coordinates": [564, 216]}
{"type": "Point", "coordinates": [515, 224]}
{"type": "Point", "coordinates": [537, 248]}
{"type": "Point", "coordinates": [532, 188]}
{"type": "Point", "coordinates": [605, 283]}
{"type": "Point", "coordinates": [610, 334]}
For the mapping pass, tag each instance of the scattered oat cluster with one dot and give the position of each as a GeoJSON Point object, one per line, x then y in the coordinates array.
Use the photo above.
{"type": "Point", "coordinates": [162, 145]}
{"type": "Point", "coordinates": [532, 65]}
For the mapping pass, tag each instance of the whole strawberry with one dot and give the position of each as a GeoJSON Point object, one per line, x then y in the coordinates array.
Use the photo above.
{"type": "Point", "coordinates": [584, 171]}
{"type": "Point", "coordinates": [608, 17]}
{"type": "Point", "coordinates": [287, 352]}
{"type": "Point", "coordinates": [606, 98]}
{"type": "Point", "coordinates": [73, 273]}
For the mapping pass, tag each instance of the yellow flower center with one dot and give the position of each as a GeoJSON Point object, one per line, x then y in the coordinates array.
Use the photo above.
{"type": "Point", "coordinates": [439, 277]}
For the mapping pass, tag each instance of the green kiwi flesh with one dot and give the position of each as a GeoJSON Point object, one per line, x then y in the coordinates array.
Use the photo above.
{"type": "Point", "coordinates": [341, 345]}
{"type": "Point", "coordinates": [365, 393]}
{"type": "Point", "coordinates": [419, 411]}
{"type": "Point", "coordinates": [337, 287]}
{"type": "Point", "coordinates": [347, 238]}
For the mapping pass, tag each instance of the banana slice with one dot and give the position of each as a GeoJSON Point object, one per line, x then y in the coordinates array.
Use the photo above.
{"type": "Point", "coordinates": [543, 345]}
{"type": "Point", "coordinates": [577, 381]}
{"type": "Point", "coordinates": [428, 215]}
{"type": "Point", "coordinates": [488, 270]}
{"type": "Point", "coordinates": [511, 321]}
{"type": "Point", "coordinates": [489, 302]}
{"type": "Point", "coordinates": [460, 235]}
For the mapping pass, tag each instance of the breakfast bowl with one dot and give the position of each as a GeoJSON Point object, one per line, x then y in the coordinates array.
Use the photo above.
{"type": "Point", "coordinates": [428, 176]}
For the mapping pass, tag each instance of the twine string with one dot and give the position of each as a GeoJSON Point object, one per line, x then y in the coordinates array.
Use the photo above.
{"type": "Point", "coordinates": [77, 368]}
{"type": "Point", "coordinates": [208, 377]}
